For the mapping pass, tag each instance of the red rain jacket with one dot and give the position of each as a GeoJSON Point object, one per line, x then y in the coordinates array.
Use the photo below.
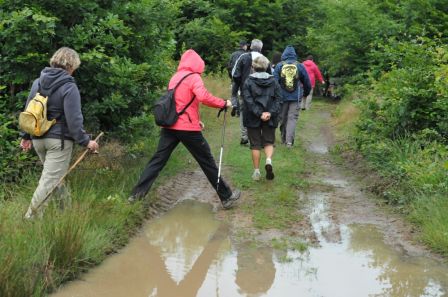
{"type": "Point", "coordinates": [192, 85]}
{"type": "Point", "coordinates": [313, 72]}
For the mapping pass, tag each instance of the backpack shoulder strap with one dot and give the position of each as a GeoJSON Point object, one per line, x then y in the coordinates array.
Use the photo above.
{"type": "Point", "coordinates": [180, 81]}
{"type": "Point", "coordinates": [192, 99]}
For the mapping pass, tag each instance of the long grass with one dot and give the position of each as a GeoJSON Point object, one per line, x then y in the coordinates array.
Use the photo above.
{"type": "Point", "coordinates": [37, 256]}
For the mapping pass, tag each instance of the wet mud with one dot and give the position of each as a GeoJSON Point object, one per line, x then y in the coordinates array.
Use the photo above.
{"type": "Point", "coordinates": [190, 247]}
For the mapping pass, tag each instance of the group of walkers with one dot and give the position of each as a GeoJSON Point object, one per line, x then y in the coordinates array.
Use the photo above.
{"type": "Point", "coordinates": [263, 96]}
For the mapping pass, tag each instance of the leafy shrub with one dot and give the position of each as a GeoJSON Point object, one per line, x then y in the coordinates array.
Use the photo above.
{"type": "Point", "coordinates": [125, 49]}
{"type": "Point", "coordinates": [412, 96]}
{"type": "Point", "coordinates": [13, 162]}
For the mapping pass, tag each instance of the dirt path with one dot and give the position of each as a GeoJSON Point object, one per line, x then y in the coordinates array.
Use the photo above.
{"type": "Point", "coordinates": [342, 192]}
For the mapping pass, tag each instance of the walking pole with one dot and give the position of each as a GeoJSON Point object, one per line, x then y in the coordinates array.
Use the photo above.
{"type": "Point", "coordinates": [222, 145]}
{"type": "Point", "coordinates": [34, 210]}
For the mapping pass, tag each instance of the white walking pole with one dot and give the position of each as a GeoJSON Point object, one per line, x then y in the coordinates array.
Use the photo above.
{"type": "Point", "coordinates": [222, 147]}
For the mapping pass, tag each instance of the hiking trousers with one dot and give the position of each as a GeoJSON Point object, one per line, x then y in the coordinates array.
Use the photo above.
{"type": "Point", "coordinates": [56, 163]}
{"type": "Point", "coordinates": [288, 121]}
{"type": "Point", "coordinates": [306, 101]}
{"type": "Point", "coordinates": [196, 144]}
{"type": "Point", "coordinates": [243, 129]}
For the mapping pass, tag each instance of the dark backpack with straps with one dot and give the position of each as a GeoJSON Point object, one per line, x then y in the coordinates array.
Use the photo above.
{"type": "Point", "coordinates": [165, 113]}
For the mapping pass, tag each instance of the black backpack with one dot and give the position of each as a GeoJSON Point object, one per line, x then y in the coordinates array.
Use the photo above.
{"type": "Point", "coordinates": [165, 108]}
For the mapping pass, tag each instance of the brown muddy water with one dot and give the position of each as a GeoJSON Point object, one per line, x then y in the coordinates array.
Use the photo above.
{"type": "Point", "coordinates": [187, 252]}
{"type": "Point", "coordinates": [361, 250]}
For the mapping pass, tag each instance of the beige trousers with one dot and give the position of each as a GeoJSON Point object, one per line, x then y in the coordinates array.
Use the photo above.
{"type": "Point", "coordinates": [306, 101]}
{"type": "Point", "coordinates": [56, 163]}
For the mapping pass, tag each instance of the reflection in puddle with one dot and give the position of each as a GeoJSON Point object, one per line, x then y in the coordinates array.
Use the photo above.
{"type": "Point", "coordinates": [188, 253]}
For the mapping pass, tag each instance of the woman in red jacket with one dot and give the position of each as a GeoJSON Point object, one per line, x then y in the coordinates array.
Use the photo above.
{"type": "Point", "coordinates": [187, 130]}
{"type": "Point", "coordinates": [313, 74]}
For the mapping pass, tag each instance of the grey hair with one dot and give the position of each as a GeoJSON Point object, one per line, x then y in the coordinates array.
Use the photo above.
{"type": "Point", "coordinates": [65, 58]}
{"type": "Point", "coordinates": [256, 45]}
{"type": "Point", "coordinates": [260, 63]}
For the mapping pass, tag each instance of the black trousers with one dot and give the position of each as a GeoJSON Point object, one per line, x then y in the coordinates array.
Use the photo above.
{"type": "Point", "coordinates": [196, 144]}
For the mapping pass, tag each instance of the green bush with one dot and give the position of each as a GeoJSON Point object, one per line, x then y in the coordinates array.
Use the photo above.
{"type": "Point", "coordinates": [13, 162]}
{"type": "Point", "coordinates": [125, 49]}
{"type": "Point", "coordinates": [412, 96]}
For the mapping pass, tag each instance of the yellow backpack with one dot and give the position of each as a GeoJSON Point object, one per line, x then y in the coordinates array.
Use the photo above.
{"type": "Point", "coordinates": [34, 119]}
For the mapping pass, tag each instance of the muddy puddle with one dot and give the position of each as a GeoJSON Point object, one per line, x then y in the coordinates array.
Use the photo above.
{"type": "Point", "coordinates": [187, 252]}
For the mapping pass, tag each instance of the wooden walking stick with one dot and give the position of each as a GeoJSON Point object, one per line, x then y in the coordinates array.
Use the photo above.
{"type": "Point", "coordinates": [34, 210]}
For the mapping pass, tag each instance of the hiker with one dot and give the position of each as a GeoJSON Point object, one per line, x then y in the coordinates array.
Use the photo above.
{"type": "Point", "coordinates": [235, 55]}
{"type": "Point", "coordinates": [241, 71]}
{"type": "Point", "coordinates": [261, 107]}
{"type": "Point", "coordinates": [295, 84]}
{"type": "Point", "coordinates": [276, 58]}
{"type": "Point", "coordinates": [55, 147]}
{"type": "Point", "coordinates": [233, 58]}
{"type": "Point", "coordinates": [187, 130]}
{"type": "Point", "coordinates": [313, 73]}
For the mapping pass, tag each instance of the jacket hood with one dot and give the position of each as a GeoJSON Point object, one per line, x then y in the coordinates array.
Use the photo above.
{"type": "Point", "coordinates": [53, 77]}
{"type": "Point", "coordinates": [289, 54]}
{"type": "Point", "coordinates": [262, 79]}
{"type": "Point", "coordinates": [191, 61]}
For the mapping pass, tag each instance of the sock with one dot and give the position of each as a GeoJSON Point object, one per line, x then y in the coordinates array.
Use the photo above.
{"type": "Point", "coordinates": [268, 161]}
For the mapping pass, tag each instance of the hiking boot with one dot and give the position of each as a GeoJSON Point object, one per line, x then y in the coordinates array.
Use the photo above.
{"type": "Point", "coordinates": [256, 175]}
{"type": "Point", "coordinates": [134, 198]}
{"type": "Point", "coordinates": [230, 202]}
{"type": "Point", "coordinates": [244, 141]}
{"type": "Point", "coordinates": [269, 170]}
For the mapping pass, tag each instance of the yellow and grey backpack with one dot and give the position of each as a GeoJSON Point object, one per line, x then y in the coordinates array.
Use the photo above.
{"type": "Point", "coordinates": [289, 75]}
{"type": "Point", "coordinates": [34, 119]}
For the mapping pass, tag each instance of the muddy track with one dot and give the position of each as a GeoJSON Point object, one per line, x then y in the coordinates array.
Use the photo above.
{"type": "Point", "coordinates": [185, 185]}
{"type": "Point", "coordinates": [344, 194]}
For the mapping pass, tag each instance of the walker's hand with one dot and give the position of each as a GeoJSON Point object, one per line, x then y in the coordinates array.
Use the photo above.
{"type": "Point", "coordinates": [201, 123]}
{"type": "Point", "coordinates": [93, 146]}
{"type": "Point", "coordinates": [229, 103]}
{"type": "Point", "coordinates": [265, 116]}
{"type": "Point", "coordinates": [26, 144]}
